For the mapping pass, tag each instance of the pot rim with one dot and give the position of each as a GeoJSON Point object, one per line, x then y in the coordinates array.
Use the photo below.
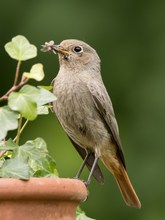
{"type": "Point", "coordinates": [43, 189]}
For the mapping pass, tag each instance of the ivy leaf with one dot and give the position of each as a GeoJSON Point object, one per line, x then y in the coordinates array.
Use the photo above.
{"type": "Point", "coordinates": [15, 168]}
{"type": "Point", "coordinates": [8, 145]}
{"type": "Point", "coordinates": [36, 72]}
{"type": "Point", "coordinates": [80, 215]}
{"type": "Point", "coordinates": [35, 153]}
{"type": "Point", "coordinates": [28, 151]}
{"type": "Point", "coordinates": [8, 121]}
{"type": "Point", "coordinates": [24, 101]}
{"type": "Point", "coordinates": [20, 49]}
{"type": "Point", "coordinates": [45, 167]}
{"type": "Point", "coordinates": [42, 110]}
{"type": "Point", "coordinates": [46, 87]}
{"type": "Point", "coordinates": [2, 160]}
{"type": "Point", "coordinates": [45, 97]}
{"type": "Point", "coordinates": [40, 144]}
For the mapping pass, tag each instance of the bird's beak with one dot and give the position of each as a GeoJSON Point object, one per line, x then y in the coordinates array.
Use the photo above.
{"type": "Point", "coordinates": [60, 50]}
{"type": "Point", "coordinates": [50, 46]}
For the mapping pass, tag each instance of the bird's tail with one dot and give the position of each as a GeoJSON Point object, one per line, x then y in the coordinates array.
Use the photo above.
{"type": "Point", "coordinates": [123, 182]}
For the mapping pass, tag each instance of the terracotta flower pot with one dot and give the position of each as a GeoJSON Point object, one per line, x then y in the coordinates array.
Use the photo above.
{"type": "Point", "coordinates": [40, 198]}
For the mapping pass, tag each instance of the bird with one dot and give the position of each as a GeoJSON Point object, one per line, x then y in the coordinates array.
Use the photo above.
{"type": "Point", "coordinates": [85, 112]}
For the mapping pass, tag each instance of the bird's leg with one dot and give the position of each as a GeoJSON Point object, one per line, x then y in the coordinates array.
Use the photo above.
{"type": "Point", "coordinates": [92, 170]}
{"type": "Point", "coordinates": [82, 166]}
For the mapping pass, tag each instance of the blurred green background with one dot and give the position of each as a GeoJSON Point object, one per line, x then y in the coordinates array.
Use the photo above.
{"type": "Point", "coordinates": [129, 36]}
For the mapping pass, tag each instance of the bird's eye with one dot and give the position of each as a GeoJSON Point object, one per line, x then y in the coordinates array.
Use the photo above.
{"type": "Point", "coordinates": [78, 49]}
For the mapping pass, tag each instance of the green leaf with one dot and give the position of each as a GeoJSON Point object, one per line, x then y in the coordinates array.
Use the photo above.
{"type": "Point", "coordinates": [29, 150]}
{"type": "Point", "coordinates": [80, 215]}
{"type": "Point", "coordinates": [20, 49]}
{"type": "Point", "coordinates": [2, 160]}
{"type": "Point", "coordinates": [8, 145]}
{"type": "Point", "coordinates": [46, 87]}
{"type": "Point", "coordinates": [45, 167]}
{"type": "Point", "coordinates": [5, 155]}
{"type": "Point", "coordinates": [24, 101]}
{"type": "Point", "coordinates": [45, 97]}
{"type": "Point", "coordinates": [8, 121]}
{"type": "Point", "coordinates": [28, 101]}
{"type": "Point", "coordinates": [51, 175]}
{"type": "Point", "coordinates": [39, 144]}
{"type": "Point", "coordinates": [42, 110]}
{"type": "Point", "coordinates": [36, 154]}
{"type": "Point", "coordinates": [36, 72]}
{"type": "Point", "coordinates": [15, 168]}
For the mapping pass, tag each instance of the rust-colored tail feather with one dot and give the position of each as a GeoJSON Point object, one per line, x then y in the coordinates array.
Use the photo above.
{"type": "Point", "coordinates": [123, 182]}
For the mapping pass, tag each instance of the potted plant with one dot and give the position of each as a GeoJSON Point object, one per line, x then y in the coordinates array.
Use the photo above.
{"type": "Point", "coordinates": [29, 183]}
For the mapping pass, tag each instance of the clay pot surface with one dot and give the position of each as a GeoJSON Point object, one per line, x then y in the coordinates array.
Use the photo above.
{"type": "Point", "coordinates": [40, 198]}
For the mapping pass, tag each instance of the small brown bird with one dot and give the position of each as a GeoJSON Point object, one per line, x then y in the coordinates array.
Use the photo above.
{"type": "Point", "coordinates": [84, 109]}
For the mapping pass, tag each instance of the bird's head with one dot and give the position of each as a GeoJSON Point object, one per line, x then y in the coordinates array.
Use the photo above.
{"type": "Point", "coordinates": [75, 53]}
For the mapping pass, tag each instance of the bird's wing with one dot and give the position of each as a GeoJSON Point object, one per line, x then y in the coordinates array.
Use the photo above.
{"type": "Point", "coordinates": [51, 103]}
{"type": "Point", "coordinates": [104, 107]}
{"type": "Point", "coordinates": [97, 171]}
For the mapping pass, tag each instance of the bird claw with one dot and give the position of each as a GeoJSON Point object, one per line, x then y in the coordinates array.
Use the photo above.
{"type": "Point", "coordinates": [86, 183]}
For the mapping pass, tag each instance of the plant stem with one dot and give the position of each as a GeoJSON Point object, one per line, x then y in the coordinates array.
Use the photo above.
{"type": "Point", "coordinates": [15, 84]}
{"type": "Point", "coordinates": [19, 130]}
{"type": "Point", "coordinates": [2, 153]}
{"type": "Point", "coordinates": [17, 73]}
{"type": "Point", "coordinates": [22, 128]}
{"type": "Point", "coordinates": [14, 88]}
{"type": "Point", "coordinates": [24, 125]}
